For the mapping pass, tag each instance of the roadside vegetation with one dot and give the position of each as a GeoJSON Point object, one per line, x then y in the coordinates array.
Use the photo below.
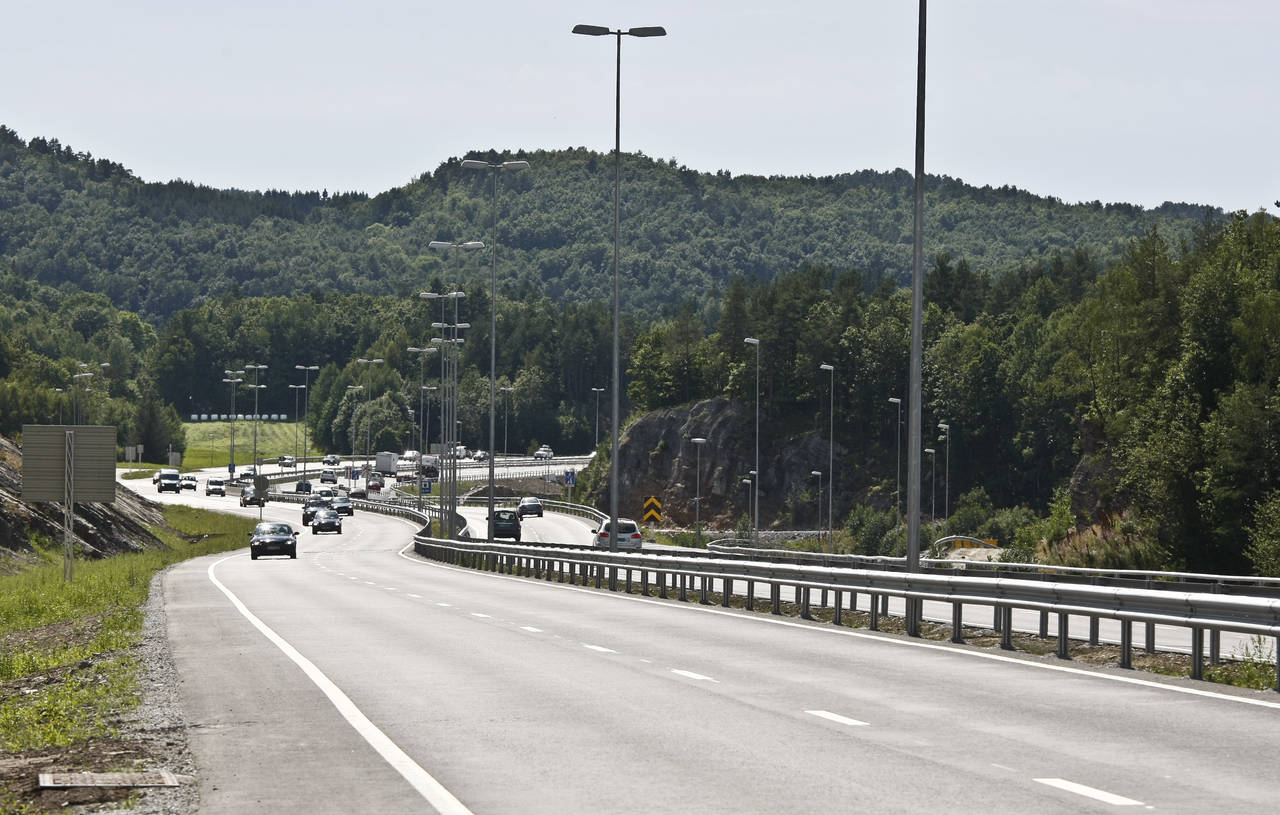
{"type": "Point", "coordinates": [67, 673]}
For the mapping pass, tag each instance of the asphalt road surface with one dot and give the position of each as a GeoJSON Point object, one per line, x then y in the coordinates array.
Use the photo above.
{"type": "Point", "coordinates": [360, 678]}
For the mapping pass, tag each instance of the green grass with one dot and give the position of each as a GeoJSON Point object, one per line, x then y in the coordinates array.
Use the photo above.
{"type": "Point", "coordinates": [64, 666]}
{"type": "Point", "coordinates": [208, 443]}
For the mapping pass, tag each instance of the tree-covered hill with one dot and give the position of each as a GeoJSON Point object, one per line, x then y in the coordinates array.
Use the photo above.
{"type": "Point", "coordinates": [76, 223]}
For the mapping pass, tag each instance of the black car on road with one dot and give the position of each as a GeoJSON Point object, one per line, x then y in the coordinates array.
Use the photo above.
{"type": "Point", "coordinates": [506, 524]}
{"type": "Point", "coordinates": [272, 538]}
{"type": "Point", "coordinates": [326, 520]}
{"type": "Point", "coordinates": [342, 505]}
{"type": "Point", "coordinates": [529, 506]}
{"type": "Point", "coordinates": [313, 506]}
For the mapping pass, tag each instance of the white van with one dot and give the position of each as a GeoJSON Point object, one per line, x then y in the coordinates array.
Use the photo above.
{"type": "Point", "coordinates": [169, 480]}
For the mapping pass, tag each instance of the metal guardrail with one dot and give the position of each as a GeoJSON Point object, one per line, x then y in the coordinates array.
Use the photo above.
{"type": "Point", "coordinates": [1197, 611]}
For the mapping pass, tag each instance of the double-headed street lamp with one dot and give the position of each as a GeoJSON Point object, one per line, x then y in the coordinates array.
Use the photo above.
{"type": "Point", "coordinates": [600, 31]}
{"type": "Point", "coordinates": [473, 164]}
{"type": "Point", "coordinates": [697, 501]}
{"type": "Point", "coordinates": [368, 420]}
{"type": "Point", "coordinates": [449, 391]}
{"type": "Point", "coordinates": [597, 392]}
{"type": "Point", "coordinates": [754, 341]}
{"type": "Point", "coordinates": [355, 428]}
{"type": "Point", "coordinates": [295, 389]}
{"type": "Point", "coordinates": [831, 456]}
{"type": "Point", "coordinates": [897, 469]}
{"type": "Point", "coordinates": [256, 387]}
{"type": "Point", "coordinates": [422, 418]}
{"type": "Point", "coordinates": [306, 382]}
{"type": "Point", "coordinates": [233, 378]}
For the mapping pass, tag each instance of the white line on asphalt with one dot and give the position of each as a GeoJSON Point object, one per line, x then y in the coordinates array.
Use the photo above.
{"type": "Point", "coordinates": [836, 717]}
{"type": "Point", "coordinates": [445, 605]}
{"type": "Point", "coordinates": [692, 675]}
{"type": "Point", "coordinates": [421, 780]}
{"type": "Point", "coordinates": [599, 648]}
{"type": "Point", "coordinates": [389, 588]}
{"type": "Point", "coordinates": [481, 616]}
{"type": "Point", "coordinates": [531, 629]}
{"type": "Point", "coordinates": [1089, 792]}
{"type": "Point", "coordinates": [1002, 767]}
{"type": "Point", "coordinates": [881, 638]}
{"type": "Point", "coordinates": [370, 583]}
{"type": "Point", "coordinates": [414, 596]}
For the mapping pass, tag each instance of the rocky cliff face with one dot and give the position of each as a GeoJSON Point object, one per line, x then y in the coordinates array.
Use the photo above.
{"type": "Point", "coordinates": [100, 529]}
{"type": "Point", "coordinates": [658, 457]}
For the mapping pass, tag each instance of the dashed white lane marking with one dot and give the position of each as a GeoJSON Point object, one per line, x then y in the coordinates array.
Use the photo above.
{"type": "Point", "coordinates": [1089, 792]}
{"type": "Point", "coordinates": [421, 780]}
{"type": "Point", "coordinates": [389, 588]}
{"type": "Point", "coordinates": [370, 583]}
{"type": "Point", "coordinates": [694, 676]}
{"type": "Point", "coordinates": [836, 717]}
{"type": "Point", "coordinates": [445, 605]}
{"type": "Point", "coordinates": [1002, 767]}
{"type": "Point", "coordinates": [415, 596]}
{"type": "Point", "coordinates": [531, 629]}
{"type": "Point", "coordinates": [599, 648]}
{"type": "Point", "coordinates": [481, 616]}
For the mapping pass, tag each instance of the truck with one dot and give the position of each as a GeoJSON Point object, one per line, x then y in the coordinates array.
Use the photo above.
{"type": "Point", "coordinates": [386, 463]}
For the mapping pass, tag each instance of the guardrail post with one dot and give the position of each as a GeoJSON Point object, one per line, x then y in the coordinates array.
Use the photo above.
{"type": "Point", "coordinates": [998, 618]}
{"type": "Point", "coordinates": [599, 576]}
{"type": "Point", "coordinates": [662, 585]}
{"type": "Point", "coordinates": [775, 595]}
{"type": "Point", "coordinates": [702, 584]}
{"type": "Point", "coordinates": [836, 617]}
{"type": "Point", "coordinates": [1197, 652]}
{"type": "Point", "coordinates": [1151, 638]}
{"type": "Point", "coordinates": [548, 566]}
{"type": "Point", "coordinates": [751, 595]}
{"type": "Point", "coordinates": [804, 602]}
{"type": "Point", "coordinates": [1044, 625]}
{"type": "Point", "coordinates": [1093, 630]}
{"type": "Point", "coordinates": [628, 580]}
{"type": "Point", "coordinates": [1215, 646]}
{"type": "Point", "coordinates": [684, 587]}
{"type": "Point", "coordinates": [1064, 637]}
{"type": "Point", "coordinates": [853, 601]}
{"type": "Point", "coordinates": [824, 596]}
{"type": "Point", "coordinates": [1276, 651]}
{"type": "Point", "coordinates": [613, 578]}
{"type": "Point", "coordinates": [884, 605]}
{"type": "Point", "coordinates": [726, 591]}
{"type": "Point", "coordinates": [875, 613]}
{"type": "Point", "coordinates": [1006, 627]}
{"type": "Point", "coordinates": [957, 622]}
{"type": "Point", "coordinates": [644, 582]}
{"type": "Point", "coordinates": [1126, 643]}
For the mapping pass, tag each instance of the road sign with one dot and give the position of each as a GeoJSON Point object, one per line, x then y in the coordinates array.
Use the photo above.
{"type": "Point", "coordinates": [261, 486]}
{"type": "Point", "coordinates": [652, 509]}
{"type": "Point", "coordinates": [568, 478]}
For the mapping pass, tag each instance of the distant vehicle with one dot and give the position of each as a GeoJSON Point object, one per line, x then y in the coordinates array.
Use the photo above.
{"type": "Point", "coordinates": [303, 487]}
{"type": "Point", "coordinates": [544, 452]}
{"type": "Point", "coordinates": [480, 455]}
{"type": "Point", "coordinates": [342, 505]}
{"type": "Point", "coordinates": [215, 486]}
{"type": "Point", "coordinates": [359, 492]}
{"type": "Point", "coordinates": [331, 460]}
{"type": "Point", "coordinates": [629, 536]}
{"type": "Point", "coordinates": [169, 480]}
{"type": "Point", "coordinates": [386, 463]}
{"type": "Point", "coordinates": [188, 482]}
{"type": "Point", "coordinates": [506, 524]}
{"type": "Point", "coordinates": [271, 538]}
{"type": "Point", "coordinates": [328, 477]}
{"type": "Point", "coordinates": [288, 461]}
{"type": "Point", "coordinates": [326, 520]}
{"type": "Point", "coordinates": [373, 485]}
{"type": "Point", "coordinates": [249, 497]}
{"type": "Point", "coordinates": [529, 506]}
{"type": "Point", "coordinates": [155, 477]}
{"type": "Point", "coordinates": [410, 457]}
{"type": "Point", "coordinates": [314, 505]}
{"type": "Point", "coordinates": [430, 466]}
{"type": "Point", "coordinates": [461, 451]}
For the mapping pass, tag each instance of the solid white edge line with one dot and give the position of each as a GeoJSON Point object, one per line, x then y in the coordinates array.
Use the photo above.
{"type": "Point", "coordinates": [421, 780]}
{"type": "Point", "coordinates": [694, 676]}
{"type": "Point", "coordinates": [837, 718]}
{"type": "Point", "coordinates": [1089, 792]}
{"type": "Point", "coordinates": [882, 638]}
{"type": "Point", "coordinates": [600, 648]}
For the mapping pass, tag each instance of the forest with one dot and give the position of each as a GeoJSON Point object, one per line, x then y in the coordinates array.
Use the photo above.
{"type": "Point", "coordinates": [1113, 398]}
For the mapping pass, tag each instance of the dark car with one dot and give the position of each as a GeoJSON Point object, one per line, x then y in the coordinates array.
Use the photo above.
{"type": "Point", "coordinates": [529, 506]}
{"type": "Point", "coordinates": [331, 460]}
{"type": "Point", "coordinates": [342, 505]}
{"type": "Point", "coordinates": [303, 487]}
{"type": "Point", "coordinates": [629, 536]}
{"type": "Point", "coordinates": [326, 520]}
{"type": "Point", "coordinates": [328, 477]}
{"type": "Point", "coordinates": [249, 497]}
{"type": "Point", "coordinates": [359, 492]}
{"type": "Point", "coordinates": [313, 506]}
{"type": "Point", "coordinates": [506, 524]}
{"type": "Point", "coordinates": [272, 538]}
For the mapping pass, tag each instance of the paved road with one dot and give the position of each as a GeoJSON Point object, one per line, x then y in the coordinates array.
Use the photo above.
{"type": "Point", "coordinates": [370, 680]}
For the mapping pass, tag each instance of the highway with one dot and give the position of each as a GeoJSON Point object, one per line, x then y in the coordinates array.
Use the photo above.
{"type": "Point", "coordinates": [362, 678]}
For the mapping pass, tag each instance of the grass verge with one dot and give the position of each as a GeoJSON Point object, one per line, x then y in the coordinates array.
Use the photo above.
{"type": "Point", "coordinates": [67, 672]}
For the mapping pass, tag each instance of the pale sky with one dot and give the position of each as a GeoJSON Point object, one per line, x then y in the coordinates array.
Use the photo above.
{"type": "Point", "coordinates": [1140, 101]}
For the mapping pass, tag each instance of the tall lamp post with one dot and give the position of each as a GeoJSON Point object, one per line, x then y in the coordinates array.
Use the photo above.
{"type": "Point", "coordinates": [296, 391]}
{"type": "Point", "coordinates": [597, 392]}
{"type": "Point", "coordinates": [600, 31]}
{"type": "Point", "coordinates": [306, 409]}
{"type": "Point", "coordinates": [933, 482]}
{"type": "Point", "coordinates": [946, 472]}
{"type": "Point", "coordinates": [355, 428]}
{"type": "Point", "coordinates": [831, 458]}
{"type": "Point", "coordinates": [756, 539]}
{"type": "Point", "coordinates": [506, 408]}
{"type": "Point", "coordinates": [422, 421]}
{"type": "Point", "coordinates": [473, 164]}
{"type": "Point", "coordinates": [697, 501]}
{"type": "Point", "coordinates": [256, 388]}
{"type": "Point", "coordinates": [818, 474]}
{"type": "Point", "coordinates": [897, 469]}
{"type": "Point", "coordinates": [233, 378]}
{"type": "Point", "coordinates": [368, 422]}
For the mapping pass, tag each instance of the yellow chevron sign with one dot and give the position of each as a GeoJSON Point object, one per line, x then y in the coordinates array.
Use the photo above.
{"type": "Point", "coordinates": [652, 509]}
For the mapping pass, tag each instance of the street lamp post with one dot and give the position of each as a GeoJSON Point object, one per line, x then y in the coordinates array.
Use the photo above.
{"type": "Point", "coordinates": [754, 341]}
{"type": "Point", "coordinates": [599, 31]}
{"type": "Point", "coordinates": [897, 469]}
{"type": "Point", "coordinates": [831, 458]}
{"type": "Point", "coordinates": [422, 422]}
{"type": "Point", "coordinates": [233, 378]}
{"type": "Point", "coordinates": [295, 389]}
{"type": "Point", "coordinates": [933, 483]}
{"type": "Point", "coordinates": [946, 472]}
{"type": "Point", "coordinates": [256, 388]}
{"type": "Point", "coordinates": [60, 392]}
{"type": "Point", "coordinates": [473, 164]}
{"type": "Point", "coordinates": [818, 473]}
{"type": "Point", "coordinates": [355, 428]}
{"type": "Point", "coordinates": [697, 501]}
{"type": "Point", "coordinates": [368, 422]}
{"type": "Point", "coordinates": [597, 392]}
{"type": "Point", "coordinates": [306, 409]}
{"type": "Point", "coordinates": [506, 408]}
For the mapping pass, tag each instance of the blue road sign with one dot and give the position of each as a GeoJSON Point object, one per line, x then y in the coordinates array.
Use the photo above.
{"type": "Point", "coordinates": [568, 478]}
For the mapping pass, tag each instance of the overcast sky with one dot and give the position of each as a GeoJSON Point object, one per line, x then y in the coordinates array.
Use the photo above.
{"type": "Point", "coordinates": [1140, 101]}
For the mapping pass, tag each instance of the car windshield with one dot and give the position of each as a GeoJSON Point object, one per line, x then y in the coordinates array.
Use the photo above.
{"type": "Point", "coordinates": [505, 515]}
{"type": "Point", "coordinates": [273, 529]}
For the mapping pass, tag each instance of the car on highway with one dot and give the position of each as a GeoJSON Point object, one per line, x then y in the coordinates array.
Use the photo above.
{"type": "Point", "coordinates": [287, 461]}
{"type": "Point", "coordinates": [328, 477]}
{"type": "Point", "coordinates": [506, 524]}
{"type": "Point", "coordinates": [480, 455]}
{"type": "Point", "coordinates": [215, 486]}
{"type": "Point", "coordinates": [374, 485]}
{"type": "Point", "coordinates": [359, 492]}
{"type": "Point", "coordinates": [529, 506]}
{"type": "Point", "coordinates": [629, 536]}
{"type": "Point", "coordinates": [188, 482]}
{"type": "Point", "coordinates": [544, 452]}
{"type": "Point", "coordinates": [249, 497]}
{"type": "Point", "coordinates": [303, 487]}
{"type": "Point", "coordinates": [273, 538]}
{"type": "Point", "coordinates": [155, 478]}
{"type": "Point", "coordinates": [313, 505]}
{"type": "Point", "coordinates": [331, 460]}
{"type": "Point", "coordinates": [168, 481]}
{"type": "Point", "coordinates": [326, 520]}
{"type": "Point", "coordinates": [342, 505]}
